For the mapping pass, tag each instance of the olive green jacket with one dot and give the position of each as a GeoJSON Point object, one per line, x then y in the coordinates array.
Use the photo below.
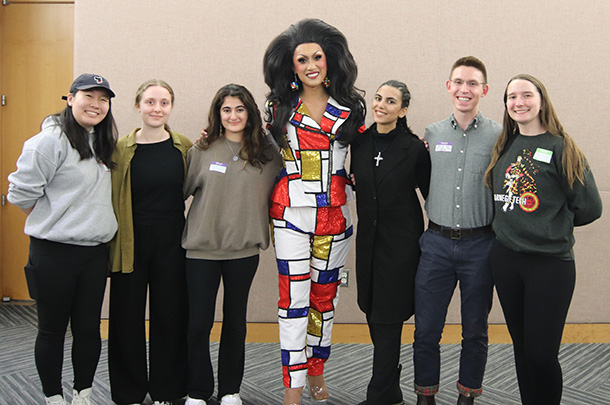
{"type": "Point", "coordinates": [121, 246]}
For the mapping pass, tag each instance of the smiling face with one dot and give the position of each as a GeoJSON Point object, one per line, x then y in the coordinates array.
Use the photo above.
{"type": "Point", "coordinates": [233, 117]}
{"type": "Point", "coordinates": [523, 103]}
{"type": "Point", "coordinates": [466, 87]}
{"type": "Point", "coordinates": [387, 108]}
{"type": "Point", "coordinates": [309, 62]}
{"type": "Point", "coordinates": [155, 106]}
{"type": "Point", "coordinates": [89, 107]}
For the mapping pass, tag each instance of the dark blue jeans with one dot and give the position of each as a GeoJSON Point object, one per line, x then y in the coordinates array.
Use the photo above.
{"type": "Point", "coordinates": [443, 263]}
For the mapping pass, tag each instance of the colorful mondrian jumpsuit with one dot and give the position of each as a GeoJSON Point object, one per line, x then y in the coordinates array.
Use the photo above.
{"type": "Point", "coordinates": [312, 229]}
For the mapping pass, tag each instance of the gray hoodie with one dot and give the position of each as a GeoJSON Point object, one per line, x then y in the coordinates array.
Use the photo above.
{"type": "Point", "coordinates": [70, 197]}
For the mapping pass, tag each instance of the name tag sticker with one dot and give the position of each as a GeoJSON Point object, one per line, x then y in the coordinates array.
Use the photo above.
{"type": "Point", "coordinates": [218, 167]}
{"type": "Point", "coordinates": [443, 147]}
{"type": "Point", "coordinates": [543, 155]}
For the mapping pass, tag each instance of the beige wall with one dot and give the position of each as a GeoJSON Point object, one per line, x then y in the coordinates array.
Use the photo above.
{"type": "Point", "coordinates": [198, 46]}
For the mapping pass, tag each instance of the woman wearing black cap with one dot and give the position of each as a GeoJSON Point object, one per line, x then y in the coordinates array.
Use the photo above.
{"type": "Point", "coordinates": [62, 183]}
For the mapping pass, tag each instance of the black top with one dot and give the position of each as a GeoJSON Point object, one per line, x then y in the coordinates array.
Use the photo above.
{"type": "Point", "coordinates": [382, 141]}
{"type": "Point", "coordinates": [390, 221]}
{"type": "Point", "coordinates": [157, 175]}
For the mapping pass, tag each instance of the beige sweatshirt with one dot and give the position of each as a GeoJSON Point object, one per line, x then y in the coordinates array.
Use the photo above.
{"type": "Point", "coordinates": [229, 214]}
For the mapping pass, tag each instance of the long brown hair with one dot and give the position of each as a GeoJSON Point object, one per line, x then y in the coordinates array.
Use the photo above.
{"type": "Point", "coordinates": [254, 145]}
{"type": "Point", "coordinates": [573, 160]}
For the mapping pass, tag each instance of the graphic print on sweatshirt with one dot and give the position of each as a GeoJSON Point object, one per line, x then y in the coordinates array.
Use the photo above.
{"type": "Point", "coordinates": [520, 184]}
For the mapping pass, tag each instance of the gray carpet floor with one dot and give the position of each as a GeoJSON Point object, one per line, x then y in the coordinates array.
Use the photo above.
{"type": "Point", "coordinates": [586, 370]}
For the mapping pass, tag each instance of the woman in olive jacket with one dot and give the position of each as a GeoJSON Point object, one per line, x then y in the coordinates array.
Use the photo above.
{"type": "Point", "coordinates": [388, 164]}
{"type": "Point", "coordinates": [146, 256]}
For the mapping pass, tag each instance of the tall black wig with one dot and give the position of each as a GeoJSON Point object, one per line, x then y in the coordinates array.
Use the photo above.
{"type": "Point", "coordinates": [342, 72]}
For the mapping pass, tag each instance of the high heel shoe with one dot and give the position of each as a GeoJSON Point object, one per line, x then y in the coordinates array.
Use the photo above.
{"type": "Point", "coordinates": [292, 396]}
{"type": "Point", "coordinates": [317, 388]}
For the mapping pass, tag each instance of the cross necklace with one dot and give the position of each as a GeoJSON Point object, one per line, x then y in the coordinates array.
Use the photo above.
{"type": "Point", "coordinates": [381, 143]}
{"type": "Point", "coordinates": [378, 158]}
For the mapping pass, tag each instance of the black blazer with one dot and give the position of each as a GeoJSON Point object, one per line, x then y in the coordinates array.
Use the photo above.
{"type": "Point", "coordinates": [390, 222]}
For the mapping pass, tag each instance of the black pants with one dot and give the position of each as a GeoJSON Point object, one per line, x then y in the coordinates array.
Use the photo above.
{"type": "Point", "coordinates": [535, 292]}
{"type": "Point", "coordinates": [68, 283]}
{"type": "Point", "coordinates": [384, 387]}
{"type": "Point", "coordinates": [159, 270]}
{"type": "Point", "coordinates": [203, 280]}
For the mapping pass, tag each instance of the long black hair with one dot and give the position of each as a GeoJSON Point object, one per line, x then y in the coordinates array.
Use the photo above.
{"type": "Point", "coordinates": [106, 134]}
{"type": "Point", "coordinates": [342, 72]}
{"type": "Point", "coordinates": [405, 99]}
{"type": "Point", "coordinates": [255, 143]}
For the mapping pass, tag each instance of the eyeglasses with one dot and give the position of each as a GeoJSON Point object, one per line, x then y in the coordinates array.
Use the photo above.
{"type": "Point", "coordinates": [470, 83]}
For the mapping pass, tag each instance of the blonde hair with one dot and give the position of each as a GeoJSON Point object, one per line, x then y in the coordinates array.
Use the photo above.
{"type": "Point", "coordinates": [573, 160]}
{"type": "Point", "coordinates": [151, 83]}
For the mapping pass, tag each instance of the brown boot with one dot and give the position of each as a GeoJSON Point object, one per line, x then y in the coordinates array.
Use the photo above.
{"type": "Point", "coordinates": [463, 400]}
{"type": "Point", "coordinates": [425, 400]}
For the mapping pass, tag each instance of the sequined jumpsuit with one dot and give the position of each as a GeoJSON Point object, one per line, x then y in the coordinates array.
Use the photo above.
{"type": "Point", "coordinates": [312, 230]}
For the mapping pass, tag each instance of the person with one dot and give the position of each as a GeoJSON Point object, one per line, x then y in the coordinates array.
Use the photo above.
{"type": "Point", "coordinates": [231, 173]}
{"type": "Point", "coordinates": [388, 163]}
{"type": "Point", "coordinates": [62, 183]}
{"type": "Point", "coordinates": [456, 245]}
{"type": "Point", "coordinates": [314, 112]}
{"type": "Point", "coordinates": [147, 257]}
{"type": "Point", "coordinates": [547, 182]}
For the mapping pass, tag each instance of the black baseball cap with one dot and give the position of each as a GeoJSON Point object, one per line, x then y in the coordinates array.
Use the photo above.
{"type": "Point", "coordinates": [88, 81]}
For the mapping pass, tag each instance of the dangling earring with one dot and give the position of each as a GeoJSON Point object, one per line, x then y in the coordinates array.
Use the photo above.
{"type": "Point", "coordinates": [294, 85]}
{"type": "Point", "coordinates": [326, 82]}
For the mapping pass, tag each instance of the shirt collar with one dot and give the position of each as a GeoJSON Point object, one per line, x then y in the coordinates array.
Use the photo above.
{"type": "Point", "coordinates": [334, 116]}
{"type": "Point", "coordinates": [476, 122]}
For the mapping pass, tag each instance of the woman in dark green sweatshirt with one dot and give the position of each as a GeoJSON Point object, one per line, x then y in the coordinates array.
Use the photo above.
{"type": "Point", "coordinates": [542, 187]}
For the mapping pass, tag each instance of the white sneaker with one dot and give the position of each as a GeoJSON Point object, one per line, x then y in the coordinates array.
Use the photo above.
{"type": "Point", "coordinates": [231, 399]}
{"type": "Point", "coordinates": [82, 398]}
{"type": "Point", "coordinates": [193, 401]}
{"type": "Point", "coordinates": [162, 403]}
{"type": "Point", "coordinates": [55, 400]}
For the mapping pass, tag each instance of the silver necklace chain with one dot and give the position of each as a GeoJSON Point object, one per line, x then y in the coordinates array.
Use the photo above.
{"type": "Point", "coordinates": [235, 155]}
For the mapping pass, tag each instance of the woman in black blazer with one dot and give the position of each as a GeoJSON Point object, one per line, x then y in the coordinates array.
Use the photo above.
{"type": "Point", "coordinates": [389, 162]}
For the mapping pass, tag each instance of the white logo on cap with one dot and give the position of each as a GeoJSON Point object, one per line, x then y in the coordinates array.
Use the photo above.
{"type": "Point", "coordinates": [98, 79]}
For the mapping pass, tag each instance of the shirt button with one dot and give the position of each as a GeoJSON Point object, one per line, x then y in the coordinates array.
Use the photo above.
{"type": "Point", "coordinates": [457, 206]}
{"type": "Point", "coordinates": [461, 150]}
{"type": "Point", "coordinates": [459, 169]}
{"type": "Point", "coordinates": [458, 187]}
{"type": "Point", "coordinates": [457, 225]}
{"type": "Point", "coordinates": [463, 134]}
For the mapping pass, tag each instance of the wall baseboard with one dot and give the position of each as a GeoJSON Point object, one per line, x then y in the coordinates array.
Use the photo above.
{"type": "Point", "coordinates": [359, 333]}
